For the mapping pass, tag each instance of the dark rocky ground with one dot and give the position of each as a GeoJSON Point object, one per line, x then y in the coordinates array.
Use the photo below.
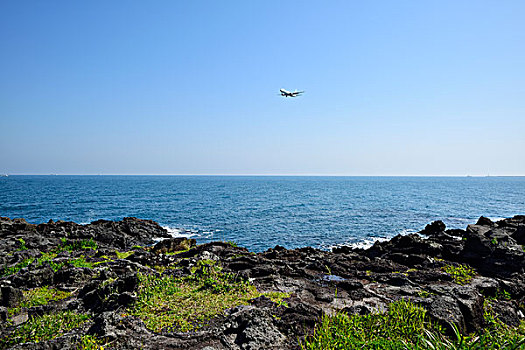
{"type": "Point", "coordinates": [316, 282]}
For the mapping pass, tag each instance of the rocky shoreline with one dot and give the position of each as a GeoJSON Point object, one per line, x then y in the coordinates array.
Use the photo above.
{"type": "Point", "coordinates": [104, 273]}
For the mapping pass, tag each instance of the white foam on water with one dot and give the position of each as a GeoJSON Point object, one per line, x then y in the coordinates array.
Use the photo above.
{"type": "Point", "coordinates": [495, 219]}
{"type": "Point", "coordinates": [364, 244]}
{"type": "Point", "coordinates": [407, 231]}
{"type": "Point", "coordinates": [367, 243]}
{"type": "Point", "coordinates": [178, 232]}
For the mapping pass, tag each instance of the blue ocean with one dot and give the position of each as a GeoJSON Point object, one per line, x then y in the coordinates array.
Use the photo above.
{"type": "Point", "coordinates": [259, 212]}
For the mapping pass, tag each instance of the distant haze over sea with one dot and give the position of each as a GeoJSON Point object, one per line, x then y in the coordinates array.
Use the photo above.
{"type": "Point", "coordinates": [259, 212]}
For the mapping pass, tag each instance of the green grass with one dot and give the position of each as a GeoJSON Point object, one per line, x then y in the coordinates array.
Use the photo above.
{"type": "Point", "coordinates": [48, 257]}
{"type": "Point", "coordinates": [398, 328]}
{"type": "Point", "coordinates": [461, 274]}
{"type": "Point", "coordinates": [45, 257]}
{"type": "Point", "coordinates": [90, 342]}
{"type": "Point", "coordinates": [43, 328]}
{"type": "Point", "coordinates": [278, 297]}
{"type": "Point", "coordinates": [406, 326]}
{"type": "Point", "coordinates": [424, 294]}
{"type": "Point", "coordinates": [39, 296]}
{"type": "Point", "coordinates": [21, 245]}
{"type": "Point", "coordinates": [11, 270]}
{"type": "Point", "coordinates": [42, 259]}
{"type": "Point", "coordinates": [81, 262]}
{"type": "Point", "coordinates": [84, 244]}
{"type": "Point", "coordinates": [123, 255]}
{"type": "Point", "coordinates": [188, 303]}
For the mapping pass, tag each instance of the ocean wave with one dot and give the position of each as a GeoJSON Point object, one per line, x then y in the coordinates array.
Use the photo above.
{"type": "Point", "coordinates": [367, 242]}
{"type": "Point", "coordinates": [363, 244]}
{"type": "Point", "coordinates": [495, 219]}
{"type": "Point", "coordinates": [407, 231]}
{"type": "Point", "coordinates": [177, 232]}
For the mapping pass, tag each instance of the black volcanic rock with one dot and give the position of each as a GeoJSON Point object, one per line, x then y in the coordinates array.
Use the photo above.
{"type": "Point", "coordinates": [173, 245]}
{"type": "Point", "coordinates": [10, 297]}
{"type": "Point", "coordinates": [434, 228]}
{"type": "Point", "coordinates": [105, 282]}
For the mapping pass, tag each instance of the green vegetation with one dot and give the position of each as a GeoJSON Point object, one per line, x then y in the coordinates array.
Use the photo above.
{"type": "Point", "coordinates": [502, 294]}
{"type": "Point", "coordinates": [22, 245]}
{"type": "Point", "coordinates": [205, 265]}
{"type": "Point", "coordinates": [462, 274]}
{"type": "Point", "coordinates": [177, 252]}
{"type": "Point", "coordinates": [187, 303]}
{"type": "Point", "coordinates": [43, 328]}
{"type": "Point", "coordinates": [406, 326]}
{"type": "Point", "coordinates": [80, 262]}
{"type": "Point", "coordinates": [399, 328]}
{"type": "Point", "coordinates": [39, 296]}
{"type": "Point", "coordinates": [123, 255]}
{"type": "Point", "coordinates": [90, 342]}
{"type": "Point", "coordinates": [11, 270]}
{"type": "Point", "coordinates": [84, 244]}
{"type": "Point", "coordinates": [278, 297]}
{"type": "Point", "coordinates": [44, 258]}
{"type": "Point", "coordinates": [48, 258]}
{"type": "Point", "coordinates": [424, 294]}
{"type": "Point", "coordinates": [106, 258]}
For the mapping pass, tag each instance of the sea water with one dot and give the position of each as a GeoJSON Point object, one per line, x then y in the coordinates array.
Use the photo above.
{"type": "Point", "coordinates": [259, 212]}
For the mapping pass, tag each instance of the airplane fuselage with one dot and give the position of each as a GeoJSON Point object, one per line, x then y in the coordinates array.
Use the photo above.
{"type": "Point", "coordinates": [286, 93]}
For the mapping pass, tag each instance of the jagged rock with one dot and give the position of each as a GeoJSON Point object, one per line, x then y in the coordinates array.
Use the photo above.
{"type": "Point", "coordinates": [254, 329]}
{"type": "Point", "coordinates": [445, 310]}
{"type": "Point", "coordinates": [434, 228]}
{"type": "Point", "coordinates": [40, 276]}
{"type": "Point", "coordinates": [356, 281]}
{"type": "Point", "coordinates": [519, 234]}
{"type": "Point", "coordinates": [11, 296]}
{"type": "Point", "coordinates": [483, 221]}
{"type": "Point", "coordinates": [488, 287]}
{"type": "Point", "coordinates": [3, 313]}
{"type": "Point", "coordinates": [507, 312]}
{"type": "Point", "coordinates": [470, 303]}
{"type": "Point", "coordinates": [173, 245]}
{"type": "Point", "coordinates": [349, 285]}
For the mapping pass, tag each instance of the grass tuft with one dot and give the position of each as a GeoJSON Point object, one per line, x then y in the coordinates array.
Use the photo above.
{"type": "Point", "coordinates": [39, 296]}
{"type": "Point", "coordinates": [84, 244]}
{"type": "Point", "coordinates": [21, 245]}
{"type": "Point", "coordinates": [278, 297]}
{"type": "Point", "coordinates": [44, 328]}
{"type": "Point", "coordinates": [400, 326]}
{"type": "Point", "coordinates": [11, 270]}
{"type": "Point", "coordinates": [406, 326]}
{"type": "Point", "coordinates": [462, 274]}
{"type": "Point", "coordinates": [188, 303]}
{"type": "Point", "coordinates": [123, 255]}
{"type": "Point", "coordinates": [90, 342]}
{"type": "Point", "coordinates": [80, 262]}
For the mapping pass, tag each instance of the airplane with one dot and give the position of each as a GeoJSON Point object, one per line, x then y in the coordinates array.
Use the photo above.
{"type": "Point", "coordinates": [285, 93]}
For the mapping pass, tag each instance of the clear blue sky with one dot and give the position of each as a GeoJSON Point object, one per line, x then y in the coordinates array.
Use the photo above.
{"type": "Point", "coordinates": [191, 87]}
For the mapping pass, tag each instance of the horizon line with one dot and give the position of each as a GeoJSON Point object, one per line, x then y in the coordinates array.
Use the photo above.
{"type": "Point", "coordinates": [269, 175]}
